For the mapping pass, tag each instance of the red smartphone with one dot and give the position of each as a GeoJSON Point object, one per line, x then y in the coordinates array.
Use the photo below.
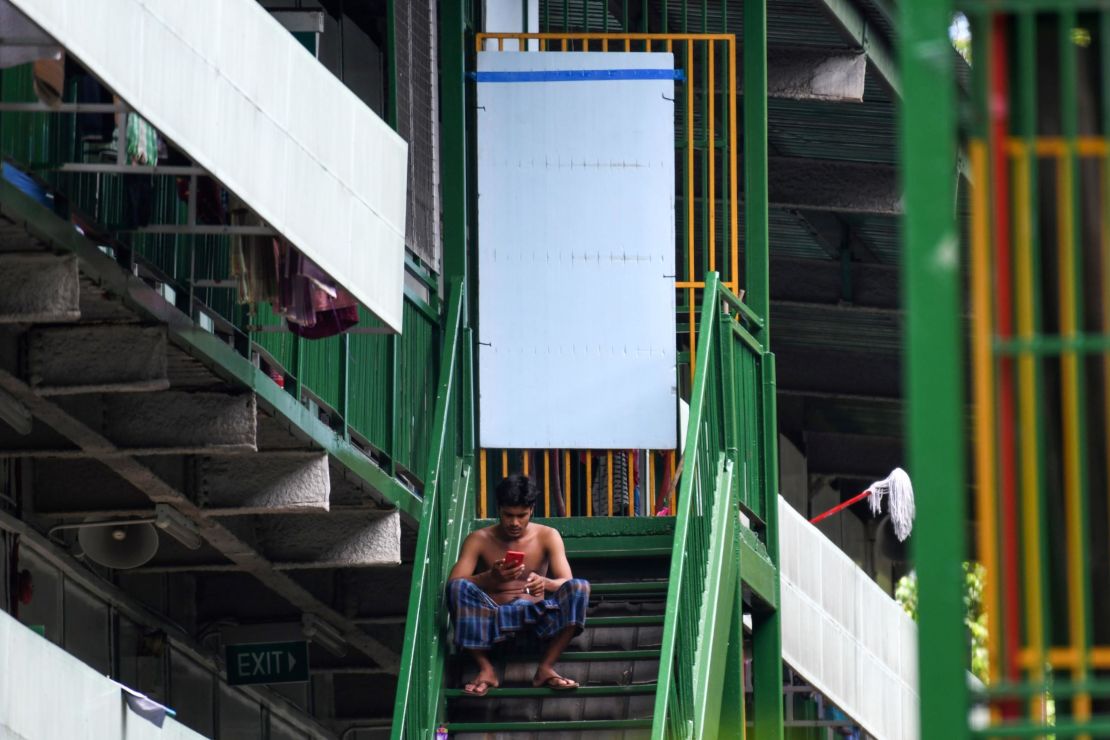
{"type": "Point", "coordinates": [514, 558]}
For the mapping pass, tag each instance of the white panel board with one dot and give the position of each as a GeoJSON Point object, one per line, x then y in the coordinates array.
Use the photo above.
{"type": "Point", "coordinates": [47, 693]}
{"type": "Point", "coordinates": [844, 634]}
{"type": "Point", "coordinates": [509, 16]}
{"type": "Point", "coordinates": [576, 250]}
{"type": "Point", "coordinates": [248, 103]}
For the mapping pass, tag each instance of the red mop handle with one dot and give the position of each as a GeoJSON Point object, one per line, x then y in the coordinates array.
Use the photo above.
{"type": "Point", "coordinates": [840, 507]}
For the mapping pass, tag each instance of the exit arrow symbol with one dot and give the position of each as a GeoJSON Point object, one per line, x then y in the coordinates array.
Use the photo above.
{"type": "Point", "coordinates": [292, 661]}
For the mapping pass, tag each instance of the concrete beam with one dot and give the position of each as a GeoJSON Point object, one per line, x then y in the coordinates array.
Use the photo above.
{"type": "Point", "coordinates": [318, 541]}
{"type": "Point", "coordinates": [266, 483]}
{"type": "Point", "coordinates": [38, 287]}
{"type": "Point", "coordinates": [833, 185]}
{"type": "Point", "coordinates": [170, 423]}
{"type": "Point", "coordinates": [99, 358]}
{"type": "Point", "coordinates": [816, 74]}
{"type": "Point", "coordinates": [833, 234]}
{"type": "Point", "coordinates": [142, 477]}
{"type": "Point", "coordinates": [824, 281]}
{"type": "Point", "coordinates": [853, 455]}
{"type": "Point", "coordinates": [302, 542]}
{"type": "Point", "coordinates": [78, 488]}
{"type": "Point", "coordinates": [857, 373]}
{"type": "Point", "coordinates": [854, 25]}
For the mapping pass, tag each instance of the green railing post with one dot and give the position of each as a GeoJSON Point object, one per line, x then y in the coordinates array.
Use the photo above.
{"type": "Point", "coordinates": [419, 681]}
{"type": "Point", "coordinates": [767, 623]}
{"type": "Point", "coordinates": [453, 134]}
{"type": "Point", "coordinates": [934, 361]}
{"type": "Point", "coordinates": [756, 239]}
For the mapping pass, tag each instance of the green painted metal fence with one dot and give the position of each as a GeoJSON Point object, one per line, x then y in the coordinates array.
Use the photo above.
{"type": "Point", "coordinates": [1036, 260]}
{"type": "Point", "coordinates": [373, 387]}
{"type": "Point", "coordinates": [728, 473]}
{"type": "Point", "coordinates": [448, 510]}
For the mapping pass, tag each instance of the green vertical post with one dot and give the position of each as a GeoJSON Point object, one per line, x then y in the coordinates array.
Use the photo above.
{"type": "Point", "coordinates": [391, 63]}
{"type": "Point", "coordinates": [767, 623]}
{"type": "Point", "coordinates": [934, 361]}
{"type": "Point", "coordinates": [452, 55]}
{"type": "Point", "coordinates": [345, 383]}
{"type": "Point", "coordinates": [756, 241]}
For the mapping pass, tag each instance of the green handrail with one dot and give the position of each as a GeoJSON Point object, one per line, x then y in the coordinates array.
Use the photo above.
{"type": "Point", "coordinates": [725, 475]}
{"type": "Point", "coordinates": [447, 510]}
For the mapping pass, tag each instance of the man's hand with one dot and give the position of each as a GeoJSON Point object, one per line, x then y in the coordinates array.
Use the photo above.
{"type": "Point", "coordinates": [505, 572]}
{"type": "Point", "coordinates": [535, 585]}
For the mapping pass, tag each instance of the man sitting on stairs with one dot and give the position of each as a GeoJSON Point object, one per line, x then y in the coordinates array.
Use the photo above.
{"type": "Point", "coordinates": [490, 605]}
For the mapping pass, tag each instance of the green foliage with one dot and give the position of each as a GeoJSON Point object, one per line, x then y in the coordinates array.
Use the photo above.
{"type": "Point", "coordinates": [975, 617]}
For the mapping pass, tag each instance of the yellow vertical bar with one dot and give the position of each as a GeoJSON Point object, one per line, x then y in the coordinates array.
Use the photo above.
{"type": "Point", "coordinates": [1105, 227]}
{"type": "Point", "coordinates": [631, 484]}
{"type": "Point", "coordinates": [605, 44]}
{"type": "Point", "coordinates": [501, 43]}
{"type": "Point", "coordinates": [711, 144]}
{"type": "Point", "coordinates": [482, 505]}
{"type": "Point", "coordinates": [564, 44]}
{"type": "Point", "coordinates": [734, 191]}
{"type": "Point", "coordinates": [609, 470]}
{"type": "Point", "coordinates": [504, 463]}
{"type": "Point", "coordinates": [1027, 410]}
{"type": "Point", "coordinates": [546, 483]}
{"type": "Point", "coordinates": [690, 199]}
{"type": "Point", "coordinates": [566, 481]}
{"type": "Point", "coordinates": [589, 483]}
{"type": "Point", "coordinates": [525, 457]}
{"type": "Point", "coordinates": [670, 45]}
{"type": "Point", "coordinates": [1069, 402]}
{"type": "Point", "coordinates": [627, 43]}
{"type": "Point", "coordinates": [984, 393]}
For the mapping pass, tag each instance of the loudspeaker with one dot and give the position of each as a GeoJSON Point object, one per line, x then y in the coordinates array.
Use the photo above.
{"type": "Point", "coordinates": [889, 546]}
{"type": "Point", "coordinates": [119, 546]}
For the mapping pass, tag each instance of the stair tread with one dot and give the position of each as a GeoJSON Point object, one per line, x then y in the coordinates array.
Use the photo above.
{"type": "Point", "coordinates": [600, 655]}
{"type": "Point", "coordinates": [631, 620]}
{"type": "Point", "coordinates": [582, 691]}
{"type": "Point", "coordinates": [549, 725]}
{"type": "Point", "coordinates": [626, 587]}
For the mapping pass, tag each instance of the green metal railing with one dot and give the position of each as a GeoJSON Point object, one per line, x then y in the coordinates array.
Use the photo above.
{"type": "Point", "coordinates": [727, 474]}
{"type": "Point", "coordinates": [374, 387]}
{"type": "Point", "coordinates": [448, 509]}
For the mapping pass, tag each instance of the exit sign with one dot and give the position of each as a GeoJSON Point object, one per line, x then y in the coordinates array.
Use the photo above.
{"type": "Point", "coordinates": [267, 662]}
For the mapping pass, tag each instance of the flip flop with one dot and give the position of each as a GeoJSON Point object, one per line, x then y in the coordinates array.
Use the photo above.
{"type": "Point", "coordinates": [479, 683]}
{"type": "Point", "coordinates": [557, 683]}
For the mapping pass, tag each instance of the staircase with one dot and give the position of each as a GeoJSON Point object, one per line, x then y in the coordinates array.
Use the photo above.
{"type": "Point", "coordinates": [661, 655]}
{"type": "Point", "coordinates": [616, 658]}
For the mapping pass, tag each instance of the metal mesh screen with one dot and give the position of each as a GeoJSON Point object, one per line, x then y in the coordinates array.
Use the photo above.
{"type": "Point", "coordinates": [417, 122]}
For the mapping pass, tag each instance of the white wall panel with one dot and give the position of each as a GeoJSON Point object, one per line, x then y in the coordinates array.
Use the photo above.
{"type": "Point", "coordinates": [576, 252]}
{"type": "Point", "coordinates": [47, 693]}
{"type": "Point", "coordinates": [232, 88]}
{"type": "Point", "coordinates": [844, 634]}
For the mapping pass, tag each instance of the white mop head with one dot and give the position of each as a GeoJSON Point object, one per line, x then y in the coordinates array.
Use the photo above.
{"type": "Point", "coordinates": [897, 485]}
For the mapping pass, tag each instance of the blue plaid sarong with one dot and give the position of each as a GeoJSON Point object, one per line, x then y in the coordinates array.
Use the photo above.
{"type": "Point", "coordinates": [480, 622]}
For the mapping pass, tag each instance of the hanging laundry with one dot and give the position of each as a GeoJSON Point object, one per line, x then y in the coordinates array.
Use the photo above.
{"type": "Point", "coordinates": [314, 305]}
{"type": "Point", "coordinates": [49, 80]}
{"type": "Point", "coordinates": [142, 141]}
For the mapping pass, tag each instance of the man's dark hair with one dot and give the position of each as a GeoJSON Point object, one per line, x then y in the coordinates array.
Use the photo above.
{"type": "Point", "coordinates": [517, 490]}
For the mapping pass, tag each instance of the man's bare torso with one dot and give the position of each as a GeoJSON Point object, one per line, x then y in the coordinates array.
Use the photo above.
{"type": "Point", "coordinates": [533, 543]}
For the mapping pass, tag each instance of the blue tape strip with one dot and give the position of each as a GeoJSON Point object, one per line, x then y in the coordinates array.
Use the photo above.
{"type": "Point", "coordinates": [580, 75]}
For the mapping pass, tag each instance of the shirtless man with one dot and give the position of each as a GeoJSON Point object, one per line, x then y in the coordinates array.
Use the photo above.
{"type": "Point", "coordinates": [490, 600]}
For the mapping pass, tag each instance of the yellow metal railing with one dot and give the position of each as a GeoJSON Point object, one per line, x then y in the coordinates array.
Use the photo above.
{"type": "Point", "coordinates": [708, 240]}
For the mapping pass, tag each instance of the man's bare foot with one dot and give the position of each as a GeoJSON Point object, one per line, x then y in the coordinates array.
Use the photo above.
{"type": "Point", "coordinates": [481, 684]}
{"type": "Point", "coordinates": [548, 678]}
